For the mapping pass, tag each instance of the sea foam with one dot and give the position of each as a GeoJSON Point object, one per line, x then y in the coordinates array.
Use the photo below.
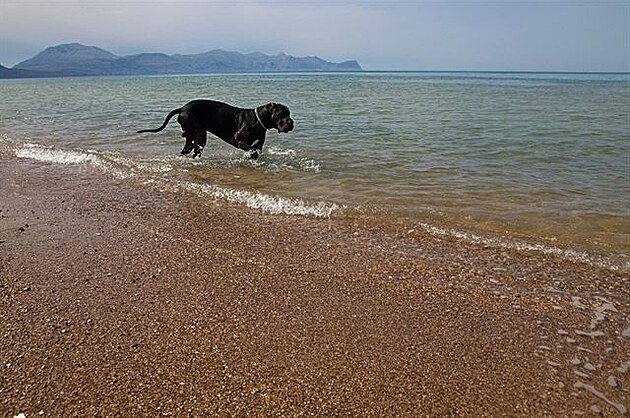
{"type": "Point", "coordinates": [69, 157]}
{"type": "Point", "coordinates": [267, 203]}
{"type": "Point", "coordinates": [569, 254]}
{"type": "Point", "coordinates": [51, 155]}
{"type": "Point", "coordinates": [123, 167]}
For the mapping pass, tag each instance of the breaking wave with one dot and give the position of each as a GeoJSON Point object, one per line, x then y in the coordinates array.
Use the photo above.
{"type": "Point", "coordinates": [49, 155]}
{"type": "Point", "coordinates": [498, 242]}
{"type": "Point", "coordinates": [267, 203]}
{"type": "Point", "coordinates": [152, 170]}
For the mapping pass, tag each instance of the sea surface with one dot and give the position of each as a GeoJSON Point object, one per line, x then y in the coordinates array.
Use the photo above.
{"type": "Point", "coordinates": [532, 161]}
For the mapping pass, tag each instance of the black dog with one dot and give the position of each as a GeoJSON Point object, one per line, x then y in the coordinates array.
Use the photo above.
{"type": "Point", "coordinates": [243, 128]}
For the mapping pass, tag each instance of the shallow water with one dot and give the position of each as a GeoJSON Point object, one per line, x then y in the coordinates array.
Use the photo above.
{"type": "Point", "coordinates": [532, 161]}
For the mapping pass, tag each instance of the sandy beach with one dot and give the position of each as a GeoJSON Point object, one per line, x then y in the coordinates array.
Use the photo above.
{"type": "Point", "coordinates": [120, 299]}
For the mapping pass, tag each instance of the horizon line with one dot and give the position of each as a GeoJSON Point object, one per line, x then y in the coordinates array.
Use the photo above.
{"type": "Point", "coordinates": [506, 72]}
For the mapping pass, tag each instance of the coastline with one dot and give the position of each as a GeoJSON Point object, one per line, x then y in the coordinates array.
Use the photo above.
{"type": "Point", "coordinates": [118, 298]}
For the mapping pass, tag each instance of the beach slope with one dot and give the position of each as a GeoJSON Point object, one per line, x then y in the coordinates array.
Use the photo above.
{"type": "Point", "coordinates": [117, 298]}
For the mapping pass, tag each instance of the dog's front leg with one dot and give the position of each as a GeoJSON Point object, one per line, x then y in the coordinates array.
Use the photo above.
{"type": "Point", "coordinates": [243, 140]}
{"type": "Point", "coordinates": [238, 140]}
{"type": "Point", "coordinates": [256, 148]}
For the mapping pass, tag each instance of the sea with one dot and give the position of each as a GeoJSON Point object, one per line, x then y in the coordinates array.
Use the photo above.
{"type": "Point", "coordinates": [528, 161]}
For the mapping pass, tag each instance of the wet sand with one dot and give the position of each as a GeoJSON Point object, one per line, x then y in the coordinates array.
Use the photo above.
{"type": "Point", "coordinates": [117, 298]}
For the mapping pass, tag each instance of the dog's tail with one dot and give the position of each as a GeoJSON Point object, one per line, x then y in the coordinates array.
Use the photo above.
{"type": "Point", "coordinates": [168, 117]}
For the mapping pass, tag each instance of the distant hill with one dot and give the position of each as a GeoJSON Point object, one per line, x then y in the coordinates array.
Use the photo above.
{"type": "Point", "coordinates": [81, 60]}
{"type": "Point", "coordinates": [16, 73]}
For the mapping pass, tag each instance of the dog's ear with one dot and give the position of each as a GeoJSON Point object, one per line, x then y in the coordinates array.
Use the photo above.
{"type": "Point", "coordinates": [270, 106]}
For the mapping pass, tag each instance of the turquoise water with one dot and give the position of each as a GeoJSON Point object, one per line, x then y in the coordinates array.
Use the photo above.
{"type": "Point", "coordinates": [530, 160]}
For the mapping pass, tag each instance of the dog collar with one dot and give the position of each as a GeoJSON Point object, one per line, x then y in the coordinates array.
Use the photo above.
{"type": "Point", "coordinates": [259, 120]}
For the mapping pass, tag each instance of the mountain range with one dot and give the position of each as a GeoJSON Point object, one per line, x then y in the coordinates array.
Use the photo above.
{"type": "Point", "coordinates": [80, 60]}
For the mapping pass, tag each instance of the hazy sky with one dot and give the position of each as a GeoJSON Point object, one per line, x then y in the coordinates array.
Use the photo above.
{"type": "Point", "coordinates": [553, 35]}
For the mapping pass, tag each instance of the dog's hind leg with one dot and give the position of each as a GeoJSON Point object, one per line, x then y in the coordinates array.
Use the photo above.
{"type": "Point", "coordinates": [195, 140]}
{"type": "Point", "coordinates": [191, 130]}
{"type": "Point", "coordinates": [189, 145]}
{"type": "Point", "coordinates": [200, 143]}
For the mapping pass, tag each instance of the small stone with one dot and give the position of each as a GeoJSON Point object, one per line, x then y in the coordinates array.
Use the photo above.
{"type": "Point", "coordinates": [591, 334]}
{"type": "Point", "coordinates": [612, 381]}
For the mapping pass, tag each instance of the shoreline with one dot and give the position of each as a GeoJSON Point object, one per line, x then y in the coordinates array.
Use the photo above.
{"type": "Point", "coordinates": [438, 72]}
{"type": "Point", "coordinates": [118, 298]}
{"type": "Point", "coordinates": [483, 229]}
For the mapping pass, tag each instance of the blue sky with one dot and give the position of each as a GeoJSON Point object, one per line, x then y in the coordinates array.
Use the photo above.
{"type": "Point", "coordinates": [508, 35]}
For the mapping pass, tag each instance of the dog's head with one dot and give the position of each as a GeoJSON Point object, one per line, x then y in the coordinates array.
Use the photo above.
{"type": "Point", "coordinates": [280, 117]}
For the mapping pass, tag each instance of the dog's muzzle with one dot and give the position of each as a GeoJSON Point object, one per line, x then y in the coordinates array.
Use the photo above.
{"type": "Point", "coordinates": [285, 125]}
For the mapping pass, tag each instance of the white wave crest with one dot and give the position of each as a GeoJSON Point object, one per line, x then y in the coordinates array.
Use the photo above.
{"type": "Point", "coordinates": [287, 159]}
{"type": "Point", "coordinates": [281, 151]}
{"type": "Point", "coordinates": [150, 166]}
{"type": "Point", "coordinates": [124, 167]}
{"type": "Point", "coordinates": [68, 157]}
{"type": "Point", "coordinates": [267, 203]}
{"type": "Point", "coordinates": [569, 254]}
{"type": "Point", "coordinates": [50, 155]}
